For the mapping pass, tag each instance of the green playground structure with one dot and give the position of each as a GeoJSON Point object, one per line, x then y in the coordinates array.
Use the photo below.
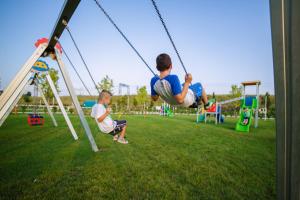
{"type": "Point", "coordinates": [248, 109]}
{"type": "Point", "coordinates": [169, 112]}
{"type": "Point", "coordinates": [248, 105]}
{"type": "Point", "coordinates": [166, 110]}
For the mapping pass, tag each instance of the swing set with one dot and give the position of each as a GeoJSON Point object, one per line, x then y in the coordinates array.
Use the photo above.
{"type": "Point", "coordinates": [35, 119]}
{"type": "Point", "coordinates": [54, 50]}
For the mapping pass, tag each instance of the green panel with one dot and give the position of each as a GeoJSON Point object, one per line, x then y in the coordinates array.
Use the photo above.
{"type": "Point", "coordinates": [245, 127]}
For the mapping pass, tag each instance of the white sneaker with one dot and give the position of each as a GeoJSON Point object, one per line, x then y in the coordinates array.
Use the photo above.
{"type": "Point", "coordinates": [122, 141]}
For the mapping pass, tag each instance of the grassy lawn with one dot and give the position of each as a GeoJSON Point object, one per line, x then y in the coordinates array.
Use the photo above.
{"type": "Point", "coordinates": [167, 158]}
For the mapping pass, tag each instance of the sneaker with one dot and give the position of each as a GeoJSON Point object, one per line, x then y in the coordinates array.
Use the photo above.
{"type": "Point", "coordinates": [122, 141]}
{"type": "Point", "coordinates": [208, 105]}
{"type": "Point", "coordinates": [116, 137]}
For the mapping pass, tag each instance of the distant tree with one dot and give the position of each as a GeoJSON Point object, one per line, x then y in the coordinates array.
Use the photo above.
{"type": "Point", "coordinates": [23, 109]}
{"type": "Point", "coordinates": [45, 85]}
{"type": "Point", "coordinates": [71, 110]}
{"type": "Point", "coordinates": [106, 84]}
{"type": "Point", "coordinates": [213, 95]}
{"type": "Point", "coordinates": [235, 92]}
{"type": "Point", "coordinates": [151, 104]}
{"type": "Point", "coordinates": [127, 99]}
{"type": "Point", "coordinates": [54, 109]}
{"type": "Point", "coordinates": [268, 99]}
{"type": "Point", "coordinates": [122, 102]}
{"type": "Point", "coordinates": [142, 95]}
{"type": "Point", "coordinates": [271, 111]}
{"type": "Point", "coordinates": [27, 97]}
{"type": "Point", "coordinates": [135, 102]}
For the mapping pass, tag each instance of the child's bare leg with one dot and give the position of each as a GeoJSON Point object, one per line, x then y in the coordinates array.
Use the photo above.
{"type": "Point", "coordinates": [116, 137]}
{"type": "Point", "coordinates": [123, 132]}
{"type": "Point", "coordinates": [204, 97]}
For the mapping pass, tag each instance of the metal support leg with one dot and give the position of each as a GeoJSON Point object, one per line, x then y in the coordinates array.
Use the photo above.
{"type": "Point", "coordinates": [266, 110]}
{"type": "Point", "coordinates": [14, 96]}
{"type": "Point", "coordinates": [47, 105]}
{"type": "Point", "coordinates": [257, 106]}
{"type": "Point", "coordinates": [216, 117]}
{"type": "Point", "coordinates": [76, 102]}
{"type": "Point", "coordinates": [61, 106]}
{"type": "Point", "coordinates": [21, 75]}
{"type": "Point", "coordinates": [220, 114]}
{"type": "Point", "coordinates": [13, 104]}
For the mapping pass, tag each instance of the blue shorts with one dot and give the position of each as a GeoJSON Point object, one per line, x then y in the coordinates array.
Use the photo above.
{"type": "Point", "coordinates": [197, 89]}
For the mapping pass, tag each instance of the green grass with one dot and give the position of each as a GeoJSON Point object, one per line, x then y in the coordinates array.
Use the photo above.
{"type": "Point", "coordinates": [167, 158]}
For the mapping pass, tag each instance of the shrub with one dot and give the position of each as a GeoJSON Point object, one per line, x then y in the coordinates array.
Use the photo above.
{"type": "Point", "coordinates": [86, 111]}
{"type": "Point", "coordinates": [54, 109]}
{"type": "Point", "coordinates": [23, 108]}
{"type": "Point", "coordinates": [71, 110]}
{"type": "Point", "coordinates": [271, 111]}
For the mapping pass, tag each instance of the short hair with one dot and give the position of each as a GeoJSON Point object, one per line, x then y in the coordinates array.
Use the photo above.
{"type": "Point", "coordinates": [103, 94]}
{"type": "Point", "coordinates": [163, 62]}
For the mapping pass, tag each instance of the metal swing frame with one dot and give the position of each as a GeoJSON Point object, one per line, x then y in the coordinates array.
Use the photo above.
{"type": "Point", "coordinates": [16, 88]}
{"type": "Point", "coordinates": [13, 102]}
{"type": "Point", "coordinates": [17, 85]}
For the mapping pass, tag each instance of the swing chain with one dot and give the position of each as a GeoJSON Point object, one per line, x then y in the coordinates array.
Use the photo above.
{"type": "Point", "coordinates": [168, 33]}
{"type": "Point", "coordinates": [35, 93]}
{"type": "Point", "coordinates": [72, 65]}
{"type": "Point", "coordinates": [123, 35]}
{"type": "Point", "coordinates": [82, 59]}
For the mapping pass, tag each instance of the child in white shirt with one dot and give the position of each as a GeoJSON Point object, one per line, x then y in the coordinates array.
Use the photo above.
{"type": "Point", "coordinates": [101, 113]}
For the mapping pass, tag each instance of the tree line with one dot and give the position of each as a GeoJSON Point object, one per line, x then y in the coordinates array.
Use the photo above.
{"type": "Point", "coordinates": [141, 101]}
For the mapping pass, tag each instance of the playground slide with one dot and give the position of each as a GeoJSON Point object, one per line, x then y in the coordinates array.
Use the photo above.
{"type": "Point", "coordinates": [166, 110]}
{"type": "Point", "coordinates": [246, 114]}
{"type": "Point", "coordinates": [169, 113]}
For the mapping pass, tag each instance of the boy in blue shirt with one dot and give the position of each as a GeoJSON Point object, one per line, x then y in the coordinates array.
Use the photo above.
{"type": "Point", "coordinates": [168, 86]}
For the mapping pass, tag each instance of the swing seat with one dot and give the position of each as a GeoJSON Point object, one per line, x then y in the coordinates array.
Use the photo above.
{"type": "Point", "coordinates": [35, 120]}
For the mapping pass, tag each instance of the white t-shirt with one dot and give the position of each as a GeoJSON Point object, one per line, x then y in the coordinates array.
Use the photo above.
{"type": "Point", "coordinates": [107, 125]}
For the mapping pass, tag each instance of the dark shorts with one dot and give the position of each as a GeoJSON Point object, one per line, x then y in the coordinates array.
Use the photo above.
{"type": "Point", "coordinates": [120, 124]}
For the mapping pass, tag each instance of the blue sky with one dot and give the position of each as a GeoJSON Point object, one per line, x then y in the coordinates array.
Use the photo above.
{"type": "Point", "coordinates": [221, 42]}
